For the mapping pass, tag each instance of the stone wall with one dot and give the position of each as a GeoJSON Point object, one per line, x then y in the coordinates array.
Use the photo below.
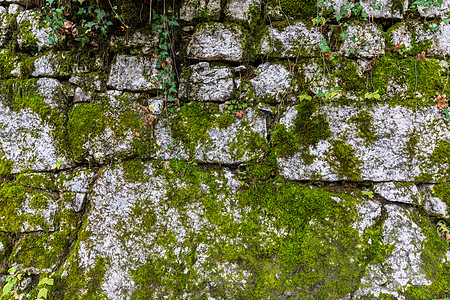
{"type": "Point", "coordinates": [304, 161]}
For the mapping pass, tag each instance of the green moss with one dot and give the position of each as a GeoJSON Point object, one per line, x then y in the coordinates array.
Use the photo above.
{"type": "Point", "coordinates": [434, 249]}
{"type": "Point", "coordinates": [37, 181]}
{"type": "Point", "coordinates": [5, 252]}
{"type": "Point", "coordinates": [411, 145]}
{"type": "Point", "coordinates": [442, 191]}
{"type": "Point", "coordinates": [41, 251]}
{"type": "Point", "coordinates": [5, 167]}
{"type": "Point", "coordinates": [7, 63]}
{"type": "Point", "coordinates": [134, 171]}
{"type": "Point", "coordinates": [309, 129]}
{"type": "Point", "coordinates": [348, 76]}
{"type": "Point", "coordinates": [80, 283]}
{"type": "Point", "coordinates": [225, 120]}
{"type": "Point", "coordinates": [12, 199]}
{"type": "Point", "coordinates": [301, 9]}
{"type": "Point", "coordinates": [363, 122]}
{"type": "Point", "coordinates": [86, 120]}
{"type": "Point", "coordinates": [423, 77]}
{"type": "Point", "coordinates": [344, 162]}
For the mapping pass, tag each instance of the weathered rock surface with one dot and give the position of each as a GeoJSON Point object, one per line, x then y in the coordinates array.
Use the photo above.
{"type": "Point", "coordinates": [200, 8]}
{"type": "Point", "coordinates": [293, 41]}
{"type": "Point", "coordinates": [364, 40]}
{"type": "Point", "coordinates": [32, 33]}
{"type": "Point", "coordinates": [131, 73]}
{"type": "Point", "coordinates": [388, 9]}
{"type": "Point", "coordinates": [272, 81]}
{"type": "Point", "coordinates": [203, 83]}
{"type": "Point", "coordinates": [241, 9]}
{"type": "Point", "coordinates": [236, 141]}
{"type": "Point", "coordinates": [216, 41]}
{"type": "Point", "coordinates": [383, 156]}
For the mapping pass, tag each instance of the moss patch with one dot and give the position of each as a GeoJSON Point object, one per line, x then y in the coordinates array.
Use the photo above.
{"type": "Point", "coordinates": [309, 128]}
{"type": "Point", "coordinates": [344, 162]}
{"type": "Point", "coordinates": [363, 122]}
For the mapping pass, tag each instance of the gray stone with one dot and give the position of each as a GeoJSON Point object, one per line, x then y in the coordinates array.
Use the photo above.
{"type": "Point", "coordinates": [435, 11]}
{"type": "Point", "coordinates": [47, 65]}
{"type": "Point", "coordinates": [369, 41]}
{"type": "Point", "coordinates": [240, 10]}
{"type": "Point", "coordinates": [32, 33]}
{"type": "Point", "coordinates": [402, 267]}
{"type": "Point", "coordinates": [50, 91]}
{"type": "Point", "coordinates": [204, 83]}
{"type": "Point", "coordinates": [76, 181]}
{"type": "Point", "coordinates": [215, 41]}
{"type": "Point", "coordinates": [293, 41]}
{"type": "Point", "coordinates": [132, 73]}
{"type": "Point", "coordinates": [389, 9]}
{"type": "Point", "coordinates": [229, 145]}
{"type": "Point", "coordinates": [15, 8]}
{"type": "Point", "coordinates": [191, 9]}
{"type": "Point", "coordinates": [156, 106]}
{"type": "Point", "coordinates": [433, 205]}
{"type": "Point", "coordinates": [399, 192]}
{"type": "Point", "coordinates": [385, 158]}
{"type": "Point", "coordinates": [26, 3]}
{"type": "Point", "coordinates": [369, 211]}
{"type": "Point", "coordinates": [138, 39]}
{"type": "Point", "coordinates": [32, 211]}
{"type": "Point", "coordinates": [27, 140]}
{"type": "Point", "coordinates": [3, 10]}
{"type": "Point", "coordinates": [272, 81]}
{"type": "Point", "coordinates": [87, 81]}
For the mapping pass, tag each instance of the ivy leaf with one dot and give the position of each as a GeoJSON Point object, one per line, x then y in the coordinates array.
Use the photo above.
{"type": "Point", "coordinates": [344, 35]}
{"type": "Point", "coordinates": [7, 288]}
{"type": "Point", "coordinates": [447, 114]}
{"type": "Point", "coordinates": [353, 38]}
{"type": "Point", "coordinates": [446, 21]}
{"type": "Point", "coordinates": [42, 293]}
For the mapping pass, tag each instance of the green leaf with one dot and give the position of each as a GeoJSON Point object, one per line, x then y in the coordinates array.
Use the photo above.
{"type": "Point", "coordinates": [43, 293]}
{"type": "Point", "coordinates": [353, 38]}
{"type": "Point", "coordinates": [12, 270]}
{"type": "Point", "coordinates": [344, 35]}
{"type": "Point", "coordinates": [446, 21]}
{"type": "Point", "coordinates": [447, 114]}
{"type": "Point", "coordinates": [7, 288]}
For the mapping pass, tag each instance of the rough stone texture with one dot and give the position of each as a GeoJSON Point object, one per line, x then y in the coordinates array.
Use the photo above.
{"type": "Point", "coordinates": [402, 268]}
{"type": "Point", "coordinates": [5, 27]}
{"type": "Point", "coordinates": [26, 140]}
{"type": "Point", "coordinates": [15, 8]}
{"type": "Point", "coordinates": [49, 65]}
{"type": "Point", "coordinates": [399, 192]}
{"type": "Point", "coordinates": [389, 9]}
{"type": "Point", "coordinates": [272, 81]}
{"type": "Point", "coordinates": [228, 145]}
{"type": "Point", "coordinates": [191, 9]}
{"type": "Point", "coordinates": [138, 39]}
{"type": "Point", "coordinates": [240, 10]}
{"type": "Point", "coordinates": [203, 83]}
{"type": "Point", "coordinates": [131, 73]}
{"type": "Point", "coordinates": [32, 33]}
{"type": "Point", "coordinates": [435, 11]}
{"type": "Point", "coordinates": [215, 41]}
{"type": "Point", "coordinates": [369, 41]}
{"type": "Point", "coordinates": [116, 139]}
{"type": "Point", "coordinates": [27, 3]}
{"type": "Point", "coordinates": [87, 81]}
{"type": "Point", "coordinates": [293, 41]}
{"type": "Point", "coordinates": [386, 158]}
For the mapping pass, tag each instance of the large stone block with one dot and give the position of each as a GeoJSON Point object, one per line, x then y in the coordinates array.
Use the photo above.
{"type": "Point", "coordinates": [273, 82]}
{"type": "Point", "coordinates": [192, 9]}
{"type": "Point", "coordinates": [204, 83]}
{"type": "Point", "coordinates": [132, 73]}
{"type": "Point", "coordinates": [365, 40]}
{"type": "Point", "coordinates": [215, 41]}
{"type": "Point", "coordinates": [382, 143]}
{"type": "Point", "coordinates": [240, 10]}
{"type": "Point", "coordinates": [32, 32]}
{"type": "Point", "coordinates": [295, 40]}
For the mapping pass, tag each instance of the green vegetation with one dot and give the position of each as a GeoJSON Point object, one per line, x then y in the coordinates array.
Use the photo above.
{"type": "Point", "coordinates": [363, 122]}
{"type": "Point", "coordinates": [309, 128]}
{"type": "Point", "coordinates": [343, 160]}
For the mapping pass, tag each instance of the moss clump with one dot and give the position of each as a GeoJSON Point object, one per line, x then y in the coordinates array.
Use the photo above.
{"type": "Point", "coordinates": [41, 251]}
{"type": "Point", "coordinates": [342, 159]}
{"type": "Point", "coordinates": [134, 171]}
{"type": "Point", "coordinates": [12, 200]}
{"type": "Point", "coordinates": [411, 145]}
{"type": "Point", "coordinates": [37, 181]}
{"type": "Point", "coordinates": [348, 75]}
{"type": "Point", "coordinates": [309, 129]}
{"type": "Point", "coordinates": [5, 167]}
{"type": "Point", "coordinates": [302, 9]}
{"type": "Point", "coordinates": [80, 283]}
{"type": "Point", "coordinates": [363, 122]}
{"type": "Point", "coordinates": [442, 191]}
{"type": "Point", "coordinates": [86, 120]}
{"type": "Point", "coordinates": [411, 75]}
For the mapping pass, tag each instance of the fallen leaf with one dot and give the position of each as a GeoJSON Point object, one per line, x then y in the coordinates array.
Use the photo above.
{"type": "Point", "coordinates": [239, 113]}
{"type": "Point", "coordinates": [442, 101]}
{"type": "Point", "coordinates": [136, 133]}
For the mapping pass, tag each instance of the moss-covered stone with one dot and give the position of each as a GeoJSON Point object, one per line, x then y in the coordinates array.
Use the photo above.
{"type": "Point", "coordinates": [309, 128]}
{"type": "Point", "coordinates": [344, 162]}
{"type": "Point", "coordinates": [363, 122]}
